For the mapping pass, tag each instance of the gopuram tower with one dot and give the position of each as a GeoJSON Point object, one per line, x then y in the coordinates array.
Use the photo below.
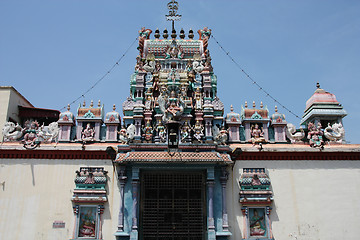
{"type": "Point", "coordinates": [172, 166]}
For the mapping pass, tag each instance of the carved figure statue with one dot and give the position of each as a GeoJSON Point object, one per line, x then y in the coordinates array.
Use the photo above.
{"type": "Point", "coordinates": [12, 132]}
{"type": "Point", "coordinates": [139, 63]}
{"type": "Point", "coordinates": [49, 133]}
{"type": "Point", "coordinates": [335, 133]}
{"type": "Point", "coordinates": [257, 134]}
{"type": "Point", "coordinates": [174, 111]}
{"type": "Point", "coordinates": [88, 134]}
{"type": "Point", "coordinates": [293, 135]}
{"type": "Point", "coordinates": [130, 132]}
{"type": "Point", "coordinates": [150, 63]}
{"type": "Point", "coordinates": [161, 131]}
{"type": "Point", "coordinates": [149, 66]}
{"type": "Point", "coordinates": [174, 51]}
{"type": "Point", "coordinates": [143, 35]}
{"type": "Point", "coordinates": [198, 66]}
{"type": "Point", "coordinates": [123, 135]}
{"type": "Point", "coordinates": [220, 136]}
{"type": "Point", "coordinates": [185, 131]}
{"type": "Point", "coordinates": [148, 132]}
{"type": "Point", "coordinates": [31, 140]}
{"type": "Point", "coordinates": [204, 35]}
{"type": "Point", "coordinates": [198, 99]}
{"type": "Point", "coordinates": [198, 131]}
{"type": "Point", "coordinates": [315, 135]}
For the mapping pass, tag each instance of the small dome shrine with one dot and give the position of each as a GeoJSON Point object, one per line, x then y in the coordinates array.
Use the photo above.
{"type": "Point", "coordinates": [323, 107]}
{"type": "Point", "coordinates": [277, 117]}
{"type": "Point", "coordinates": [67, 116]}
{"type": "Point", "coordinates": [112, 117]}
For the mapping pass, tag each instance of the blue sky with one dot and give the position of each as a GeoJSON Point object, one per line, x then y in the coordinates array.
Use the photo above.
{"type": "Point", "coordinates": [53, 51]}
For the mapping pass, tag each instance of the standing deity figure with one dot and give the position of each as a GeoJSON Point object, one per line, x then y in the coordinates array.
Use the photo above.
{"type": "Point", "coordinates": [198, 131]}
{"type": "Point", "coordinates": [161, 132]}
{"type": "Point", "coordinates": [88, 134]}
{"type": "Point", "coordinates": [143, 35]}
{"type": "Point", "coordinates": [185, 131]}
{"type": "Point", "coordinates": [257, 134]}
{"type": "Point", "coordinates": [315, 135]}
{"type": "Point", "coordinates": [198, 99]}
{"type": "Point", "coordinates": [148, 132]}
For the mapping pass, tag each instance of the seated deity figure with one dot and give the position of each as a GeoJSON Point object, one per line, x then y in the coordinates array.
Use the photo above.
{"type": "Point", "coordinates": [88, 134]}
{"type": "Point", "coordinates": [257, 226]}
{"type": "Point", "coordinates": [257, 134]}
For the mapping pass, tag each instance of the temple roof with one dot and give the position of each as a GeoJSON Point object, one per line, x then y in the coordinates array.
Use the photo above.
{"type": "Point", "coordinates": [173, 157]}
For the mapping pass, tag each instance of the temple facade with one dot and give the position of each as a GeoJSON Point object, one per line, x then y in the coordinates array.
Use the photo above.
{"type": "Point", "coordinates": [173, 165]}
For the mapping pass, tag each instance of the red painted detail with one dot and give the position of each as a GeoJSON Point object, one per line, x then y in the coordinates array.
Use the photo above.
{"type": "Point", "coordinates": [275, 156]}
{"type": "Point", "coordinates": [54, 154]}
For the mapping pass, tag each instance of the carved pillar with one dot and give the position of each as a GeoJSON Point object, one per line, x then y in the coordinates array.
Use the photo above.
{"type": "Point", "coordinates": [97, 131]}
{"type": "Point", "coordinates": [135, 190]}
{"type": "Point", "coordinates": [208, 126]}
{"type": "Point", "coordinates": [210, 190]}
{"type": "Point", "coordinates": [122, 180]}
{"type": "Point", "coordinates": [247, 132]}
{"type": "Point", "coordinates": [223, 180]}
{"type": "Point", "coordinates": [266, 132]}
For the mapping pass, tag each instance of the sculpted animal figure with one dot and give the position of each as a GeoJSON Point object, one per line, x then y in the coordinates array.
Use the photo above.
{"type": "Point", "coordinates": [293, 135]}
{"type": "Point", "coordinates": [49, 133]}
{"type": "Point", "coordinates": [335, 133]}
{"type": "Point", "coordinates": [130, 131]}
{"type": "Point", "coordinates": [12, 132]}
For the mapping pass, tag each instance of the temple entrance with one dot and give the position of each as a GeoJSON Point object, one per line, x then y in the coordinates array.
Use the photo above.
{"type": "Point", "coordinates": [172, 206]}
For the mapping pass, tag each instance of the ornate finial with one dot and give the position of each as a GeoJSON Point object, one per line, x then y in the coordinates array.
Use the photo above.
{"type": "Point", "coordinates": [84, 104]}
{"type": "Point", "coordinates": [231, 108]}
{"type": "Point", "coordinates": [191, 34]}
{"type": "Point", "coordinates": [261, 104]}
{"type": "Point", "coordinates": [157, 33]}
{"type": "Point", "coordinates": [254, 104]}
{"type": "Point", "coordinates": [182, 34]}
{"type": "Point", "coordinates": [99, 103]}
{"type": "Point", "coordinates": [276, 110]}
{"type": "Point", "coordinates": [114, 107]}
{"type": "Point", "coordinates": [165, 33]}
{"type": "Point", "coordinates": [318, 85]}
{"type": "Point", "coordinates": [173, 6]}
{"type": "Point", "coordinates": [173, 34]}
{"type": "Point", "coordinates": [246, 104]}
{"type": "Point", "coordinates": [68, 107]}
{"type": "Point", "coordinates": [91, 103]}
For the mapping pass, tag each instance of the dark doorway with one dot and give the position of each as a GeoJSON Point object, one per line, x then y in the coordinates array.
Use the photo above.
{"type": "Point", "coordinates": [172, 206]}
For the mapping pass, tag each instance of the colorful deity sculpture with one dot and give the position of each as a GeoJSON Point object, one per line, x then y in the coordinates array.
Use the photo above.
{"type": "Point", "coordinates": [88, 134]}
{"type": "Point", "coordinates": [185, 132]}
{"type": "Point", "coordinates": [198, 131]}
{"type": "Point", "coordinates": [31, 140]}
{"type": "Point", "coordinates": [257, 134]}
{"type": "Point", "coordinates": [148, 132]}
{"type": "Point", "coordinates": [315, 135]}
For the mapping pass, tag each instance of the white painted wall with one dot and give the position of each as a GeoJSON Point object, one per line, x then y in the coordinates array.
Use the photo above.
{"type": "Point", "coordinates": [38, 192]}
{"type": "Point", "coordinates": [312, 199]}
